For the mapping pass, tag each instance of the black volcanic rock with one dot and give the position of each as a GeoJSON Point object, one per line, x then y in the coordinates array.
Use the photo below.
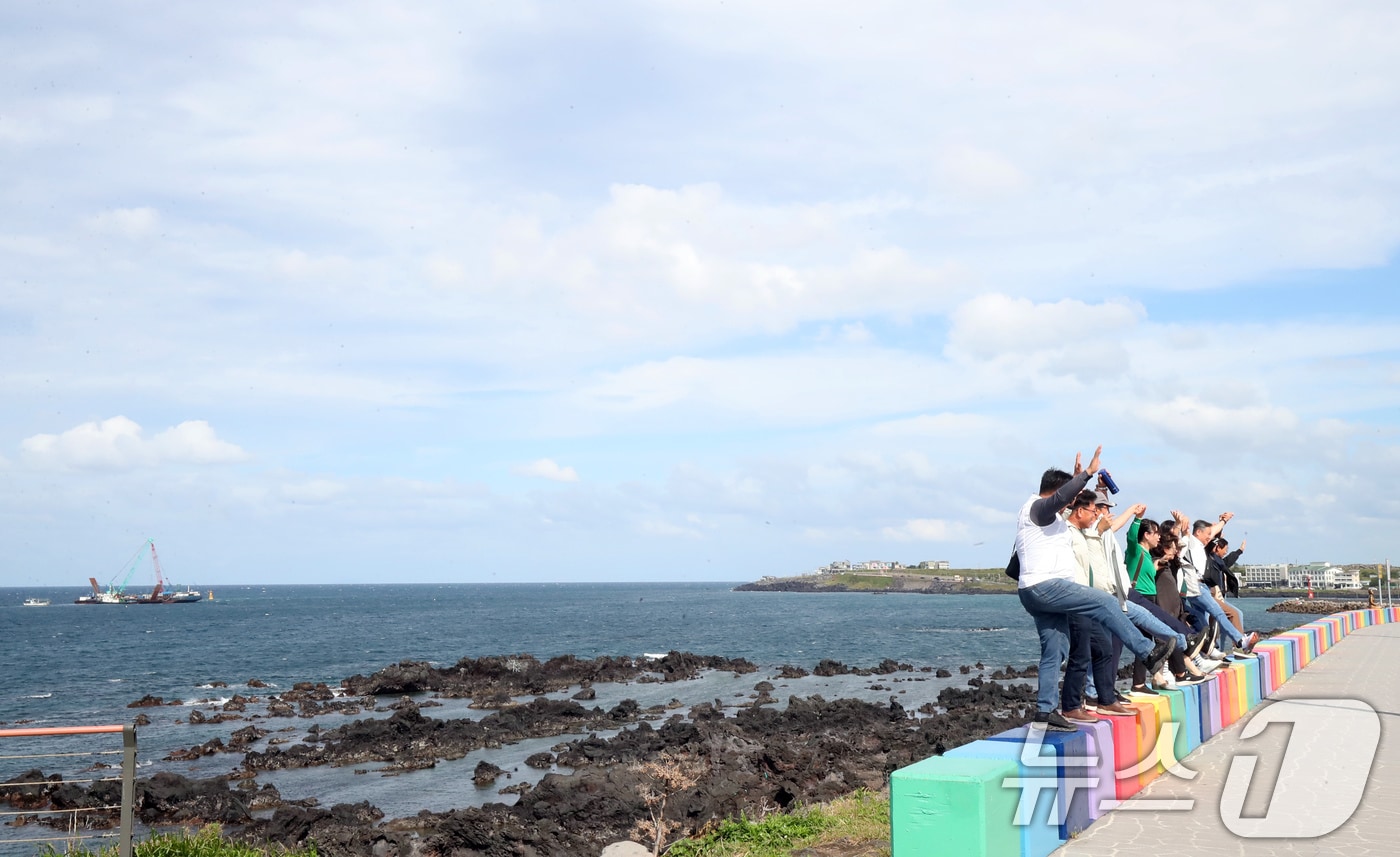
{"type": "Point", "coordinates": [525, 675]}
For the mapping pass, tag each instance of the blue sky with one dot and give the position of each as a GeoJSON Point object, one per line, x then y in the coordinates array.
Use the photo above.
{"type": "Point", "coordinates": [686, 290]}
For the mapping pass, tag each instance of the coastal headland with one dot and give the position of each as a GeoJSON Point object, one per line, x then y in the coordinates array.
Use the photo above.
{"type": "Point", "coordinates": [974, 581]}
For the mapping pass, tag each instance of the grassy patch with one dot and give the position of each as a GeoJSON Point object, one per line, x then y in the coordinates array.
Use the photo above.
{"type": "Point", "coordinates": [206, 843]}
{"type": "Point", "coordinates": [861, 818]}
{"type": "Point", "coordinates": [860, 581]}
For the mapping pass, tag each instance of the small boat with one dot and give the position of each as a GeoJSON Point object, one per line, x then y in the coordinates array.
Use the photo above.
{"type": "Point", "coordinates": [36, 602]}
{"type": "Point", "coordinates": [103, 596]}
{"type": "Point", "coordinates": [187, 597]}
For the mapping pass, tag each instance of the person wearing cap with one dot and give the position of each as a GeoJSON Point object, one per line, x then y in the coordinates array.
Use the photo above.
{"type": "Point", "coordinates": [1090, 646]}
{"type": "Point", "coordinates": [1049, 594]}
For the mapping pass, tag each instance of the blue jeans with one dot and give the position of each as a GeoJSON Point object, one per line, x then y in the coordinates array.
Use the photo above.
{"type": "Point", "coordinates": [1149, 624]}
{"type": "Point", "coordinates": [1205, 605]}
{"type": "Point", "coordinates": [1050, 604]}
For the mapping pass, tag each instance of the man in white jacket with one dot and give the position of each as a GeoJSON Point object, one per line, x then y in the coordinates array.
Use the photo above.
{"type": "Point", "coordinates": [1049, 593]}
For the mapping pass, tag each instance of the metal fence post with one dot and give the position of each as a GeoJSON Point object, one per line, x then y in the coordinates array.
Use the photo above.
{"type": "Point", "coordinates": [128, 788]}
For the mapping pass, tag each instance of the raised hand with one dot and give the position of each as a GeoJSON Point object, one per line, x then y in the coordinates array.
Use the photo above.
{"type": "Point", "coordinates": [1094, 462]}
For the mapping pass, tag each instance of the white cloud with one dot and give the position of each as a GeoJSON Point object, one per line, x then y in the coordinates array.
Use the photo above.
{"type": "Point", "coordinates": [995, 325]}
{"type": "Point", "coordinates": [1193, 424]}
{"type": "Point", "coordinates": [118, 443]}
{"type": "Point", "coordinates": [547, 468]}
{"type": "Point", "coordinates": [364, 232]}
{"type": "Point", "coordinates": [927, 530]}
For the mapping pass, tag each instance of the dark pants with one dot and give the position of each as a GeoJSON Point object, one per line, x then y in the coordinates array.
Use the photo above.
{"type": "Point", "coordinates": [1177, 661]}
{"type": "Point", "coordinates": [1089, 645]}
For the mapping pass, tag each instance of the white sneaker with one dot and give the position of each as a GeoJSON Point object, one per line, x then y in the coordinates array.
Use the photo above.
{"type": "Point", "coordinates": [1164, 679]}
{"type": "Point", "coordinates": [1205, 665]}
{"type": "Point", "coordinates": [1215, 655]}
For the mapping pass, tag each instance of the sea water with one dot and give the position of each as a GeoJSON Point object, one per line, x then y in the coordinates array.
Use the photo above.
{"type": "Point", "coordinates": [70, 664]}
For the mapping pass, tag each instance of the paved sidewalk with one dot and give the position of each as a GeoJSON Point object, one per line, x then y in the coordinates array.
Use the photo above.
{"type": "Point", "coordinates": [1363, 666]}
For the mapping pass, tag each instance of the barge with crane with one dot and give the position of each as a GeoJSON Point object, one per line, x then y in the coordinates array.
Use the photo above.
{"type": "Point", "coordinates": [160, 594]}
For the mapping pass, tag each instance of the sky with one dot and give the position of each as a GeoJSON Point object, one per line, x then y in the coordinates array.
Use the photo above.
{"type": "Point", "coordinates": [689, 290]}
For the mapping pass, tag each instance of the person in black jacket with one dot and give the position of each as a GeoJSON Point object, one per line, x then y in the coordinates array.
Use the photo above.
{"type": "Point", "coordinates": [1222, 579]}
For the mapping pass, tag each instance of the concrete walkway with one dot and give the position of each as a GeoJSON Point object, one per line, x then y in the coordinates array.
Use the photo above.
{"type": "Point", "coordinates": [1314, 785]}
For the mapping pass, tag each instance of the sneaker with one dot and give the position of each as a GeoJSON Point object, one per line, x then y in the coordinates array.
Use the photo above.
{"type": "Point", "coordinates": [1194, 644]}
{"type": "Point", "coordinates": [1053, 722]}
{"type": "Point", "coordinates": [1163, 679]}
{"type": "Point", "coordinates": [1079, 715]}
{"type": "Point", "coordinates": [1205, 666]}
{"type": "Point", "coordinates": [1144, 690]}
{"type": "Point", "coordinates": [1247, 645]}
{"type": "Point", "coordinates": [1118, 709]}
{"type": "Point", "coordinates": [1192, 670]}
{"type": "Point", "coordinates": [1215, 655]}
{"type": "Point", "coordinates": [1123, 700]}
{"type": "Point", "coordinates": [1159, 653]}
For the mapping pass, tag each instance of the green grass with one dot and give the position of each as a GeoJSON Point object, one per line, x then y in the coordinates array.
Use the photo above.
{"type": "Point", "coordinates": [206, 843]}
{"type": "Point", "coordinates": [859, 581]}
{"type": "Point", "coordinates": [861, 817]}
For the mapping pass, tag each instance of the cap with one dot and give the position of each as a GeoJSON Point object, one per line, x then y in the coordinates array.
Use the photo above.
{"type": "Point", "coordinates": [1102, 498]}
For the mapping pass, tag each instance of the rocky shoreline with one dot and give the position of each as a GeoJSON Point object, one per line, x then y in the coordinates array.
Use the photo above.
{"type": "Point", "coordinates": [1318, 606]}
{"type": "Point", "coordinates": [748, 758]}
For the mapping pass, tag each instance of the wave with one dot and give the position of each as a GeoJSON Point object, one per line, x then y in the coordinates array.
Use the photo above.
{"type": "Point", "coordinates": [654, 656]}
{"type": "Point", "coordinates": [39, 696]}
{"type": "Point", "coordinates": [983, 630]}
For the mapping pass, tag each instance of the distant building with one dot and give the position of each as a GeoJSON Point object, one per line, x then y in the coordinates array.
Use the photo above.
{"type": "Point", "coordinates": [1317, 575]}
{"type": "Point", "coordinates": [1264, 576]}
{"type": "Point", "coordinates": [939, 564]}
{"type": "Point", "coordinates": [1347, 578]}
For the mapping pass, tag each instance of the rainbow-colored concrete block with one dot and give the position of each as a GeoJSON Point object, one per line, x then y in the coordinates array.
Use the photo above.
{"type": "Point", "coordinates": [1186, 715]}
{"type": "Point", "coordinates": [1126, 755]}
{"type": "Point", "coordinates": [953, 806]}
{"type": "Point", "coordinates": [1210, 707]}
{"type": "Point", "coordinates": [1073, 763]}
{"type": "Point", "coordinates": [1251, 669]}
{"type": "Point", "coordinates": [1103, 792]}
{"type": "Point", "coordinates": [1149, 767]}
{"type": "Point", "coordinates": [1039, 824]}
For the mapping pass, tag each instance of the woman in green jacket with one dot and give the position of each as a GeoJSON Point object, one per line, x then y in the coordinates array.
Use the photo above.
{"type": "Point", "coordinates": [1143, 536]}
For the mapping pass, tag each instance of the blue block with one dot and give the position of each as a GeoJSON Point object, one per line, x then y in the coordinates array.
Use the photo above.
{"type": "Point", "coordinates": [1073, 765]}
{"type": "Point", "coordinates": [1194, 736]}
{"type": "Point", "coordinates": [1040, 835]}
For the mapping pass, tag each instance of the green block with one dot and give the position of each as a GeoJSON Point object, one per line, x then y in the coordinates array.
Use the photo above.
{"type": "Point", "coordinates": [953, 806]}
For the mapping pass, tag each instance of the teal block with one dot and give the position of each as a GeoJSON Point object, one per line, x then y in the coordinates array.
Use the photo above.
{"type": "Point", "coordinates": [958, 806]}
{"type": "Point", "coordinates": [1040, 834]}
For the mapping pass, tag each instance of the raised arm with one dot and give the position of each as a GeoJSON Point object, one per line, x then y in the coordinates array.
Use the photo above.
{"type": "Point", "coordinates": [1219, 525]}
{"type": "Point", "coordinates": [1137, 510]}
